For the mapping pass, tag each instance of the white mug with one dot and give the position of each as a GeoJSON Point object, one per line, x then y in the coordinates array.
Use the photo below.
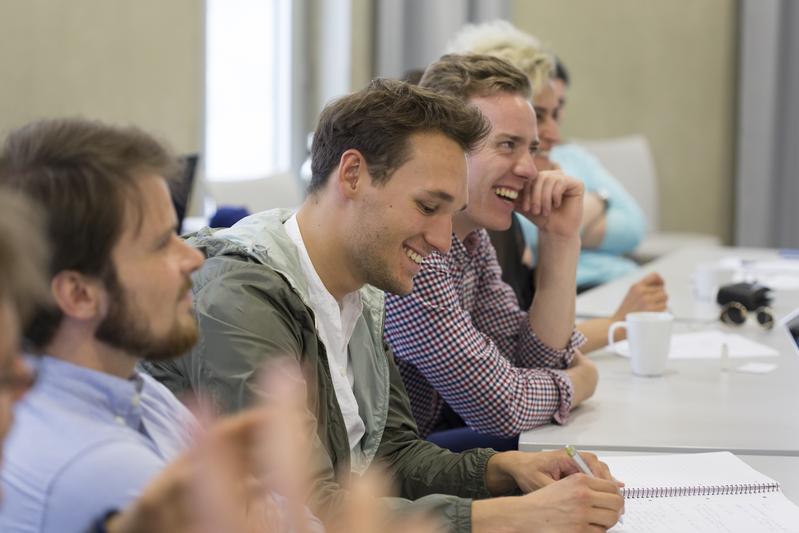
{"type": "Point", "coordinates": [649, 339]}
{"type": "Point", "coordinates": [708, 278]}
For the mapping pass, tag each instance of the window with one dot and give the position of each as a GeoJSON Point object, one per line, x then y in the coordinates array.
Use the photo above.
{"type": "Point", "coordinates": [248, 97]}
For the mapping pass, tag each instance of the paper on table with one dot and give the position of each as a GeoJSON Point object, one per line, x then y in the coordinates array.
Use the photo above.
{"type": "Point", "coordinates": [742, 513]}
{"type": "Point", "coordinates": [711, 469]}
{"type": "Point", "coordinates": [757, 368]}
{"type": "Point", "coordinates": [755, 505]}
{"type": "Point", "coordinates": [778, 274]}
{"type": "Point", "coordinates": [707, 345]}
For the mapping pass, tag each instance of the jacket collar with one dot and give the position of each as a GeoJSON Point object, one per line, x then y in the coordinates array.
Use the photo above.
{"type": "Point", "coordinates": [262, 238]}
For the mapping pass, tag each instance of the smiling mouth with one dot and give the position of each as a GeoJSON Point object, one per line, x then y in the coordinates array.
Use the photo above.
{"type": "Point", "coordinates": [413, 256]}
{"type": "Point", "coordinates": [506, 194]}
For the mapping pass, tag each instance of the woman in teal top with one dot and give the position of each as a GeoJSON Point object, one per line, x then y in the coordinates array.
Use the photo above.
{"type": "Point", "coordinates": [613, 224]}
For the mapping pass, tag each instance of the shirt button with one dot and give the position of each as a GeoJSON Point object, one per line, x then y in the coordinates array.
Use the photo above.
{"type": "Point", "coordinates": [136, 400]}
{"type": "Point", "coordinates": [119, 420]}
{"type": "Point", "coordinates": [342, 373]}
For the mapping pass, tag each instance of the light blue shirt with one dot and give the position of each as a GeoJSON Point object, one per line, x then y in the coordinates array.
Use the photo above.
{"type": "Point", "coordinates": [625, 227]}
{"type": "Point", "coordinates": [84, 443]}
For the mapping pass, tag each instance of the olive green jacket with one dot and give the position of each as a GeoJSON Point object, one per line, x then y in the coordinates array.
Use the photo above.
{"type": "Point", "coordinates": [251, 300]}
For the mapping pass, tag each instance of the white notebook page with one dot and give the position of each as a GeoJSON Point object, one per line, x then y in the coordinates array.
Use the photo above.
{"type": "Point", "coordinates": [684, 470]}
{"type": "Point", "coordinates": [767, 512]}
{"type": "Point", "coordinates": [741, 513]}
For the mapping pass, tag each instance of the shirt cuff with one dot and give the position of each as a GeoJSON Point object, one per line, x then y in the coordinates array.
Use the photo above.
{"type": "Point", "coordinates": [536, 354]}
{"type": "Point", "coordinates": [564, 384]}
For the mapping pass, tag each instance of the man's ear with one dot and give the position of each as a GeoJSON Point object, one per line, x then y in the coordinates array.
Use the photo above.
{"type": "Point", "coordinates": [352, 173]}
{"type": "Point", "coordinates": [78, 296]}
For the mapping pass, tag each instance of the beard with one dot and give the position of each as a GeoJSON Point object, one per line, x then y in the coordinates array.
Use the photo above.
{"type": "Point", "coordinates": [125, 328]}
{"type": "Point", "coordinates": [372, 259]}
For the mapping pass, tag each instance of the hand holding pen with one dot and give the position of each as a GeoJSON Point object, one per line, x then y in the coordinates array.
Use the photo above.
{"type": "Point", "coordinates": [581, 464]}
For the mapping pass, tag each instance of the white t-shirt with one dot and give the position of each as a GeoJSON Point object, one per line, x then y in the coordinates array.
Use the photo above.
{"type": "Point", "coordinates": [335, 322]}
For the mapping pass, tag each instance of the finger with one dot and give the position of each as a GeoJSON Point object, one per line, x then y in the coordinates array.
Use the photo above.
{"type": "Point", "coordinates": [657, 300]}
{"type": "Point", "coordinates": [653, 278]}
{"type": "Point", "coordinates": [598, 468]}
{"type": "Point", "coordinates": [546, 196]}
{"type": "Point", "coordinates": [557, 194]}
{"type": "Point", "coordinates": [601, 470]}
{"type": "Point", "coordinates": [603, 485]}
{"type": "Point", "coordinates": [541, 479]}
{"type": "Point", "coordinates": [535, 197]}
{"type": "Point", "coordinates": [609, 502]}
{"type": "Point", "coordinates": [526, 198]}
{"type": "Point", "coordinates": [603, 517]}
{"type": "Point", "coordinates": [573, 187]}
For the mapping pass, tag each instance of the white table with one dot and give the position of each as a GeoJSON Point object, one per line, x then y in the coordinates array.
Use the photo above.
{"type": "Point", "coordinates": [694, 406]}
{"type": "Point", "coordinates": [677, 269]}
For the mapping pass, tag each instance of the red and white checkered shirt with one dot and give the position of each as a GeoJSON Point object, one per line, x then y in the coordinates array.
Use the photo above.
{"type": "Point", "coordinates": [461, 338]}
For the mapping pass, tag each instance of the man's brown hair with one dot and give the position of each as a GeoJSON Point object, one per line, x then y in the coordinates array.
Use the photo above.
{"type": "Point", "coordinates": [84, 174]}
{"type": "Point", "coordinates": [23, 255]}
{"type": "Point", "coordinates": [475, 75]}
{"type": "Point", "coordinates": [378, 121]}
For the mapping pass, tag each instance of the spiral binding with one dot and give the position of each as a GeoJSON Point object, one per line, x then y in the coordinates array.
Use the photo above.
{"type": "Point", "coordinates": [703, 490]}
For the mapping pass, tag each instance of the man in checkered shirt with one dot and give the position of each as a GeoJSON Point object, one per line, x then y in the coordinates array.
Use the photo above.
{"type": "Point", "coordinates": [465, 349]}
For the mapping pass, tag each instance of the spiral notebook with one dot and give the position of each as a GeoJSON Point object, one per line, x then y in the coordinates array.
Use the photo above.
{"type": "Point", "coordinates": [705, 492]}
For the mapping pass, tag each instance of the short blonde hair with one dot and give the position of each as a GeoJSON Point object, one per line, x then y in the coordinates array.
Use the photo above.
{"type": "Point", "coordinates": [474, 75]}
{"type": "Point", "coordinates": [502, 39]}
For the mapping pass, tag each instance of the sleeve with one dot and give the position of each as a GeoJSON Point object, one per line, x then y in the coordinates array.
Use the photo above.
{"type": "Point", "coordinates": [439, 482]}
{"type": "Point", "coordinates": [97, 482]}
{"type": "Point", "coordinates": [626, 225]}
{"type": "Point", "coordinates": [497, 316]}
{"type": "Point", "coordinates": [245, 320]}
{"type": "Point", "coordinates": [429, 329]}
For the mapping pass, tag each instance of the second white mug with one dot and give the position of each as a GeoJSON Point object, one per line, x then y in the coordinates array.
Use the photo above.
{"type": "Point", "coordinates": [649, 339]}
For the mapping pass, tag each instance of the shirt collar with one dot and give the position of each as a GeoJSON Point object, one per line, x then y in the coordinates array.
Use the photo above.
{"type": "Point", "coordinates": [106, 394]}
{"type": "Point", "coordinates": [469, 246]}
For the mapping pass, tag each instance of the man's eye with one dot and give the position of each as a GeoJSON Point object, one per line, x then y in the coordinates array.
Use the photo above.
{"type": "Point", "coordinates": [510, 145]}
{"type": "Point", "coordinates": [425, 208]}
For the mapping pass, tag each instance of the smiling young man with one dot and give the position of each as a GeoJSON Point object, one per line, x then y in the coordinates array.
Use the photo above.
{"type": "Point", "coordinates": [466, 351]}
{"type": "Point", "coordinates": [389, 171]}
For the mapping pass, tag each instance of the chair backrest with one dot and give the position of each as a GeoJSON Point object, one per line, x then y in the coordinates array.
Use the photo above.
{"type": "Point", "coordinates": [630, 160]}
{"type": "Point", "coordinates": [281, 190]}
{"type": "Point", "coordinates": [181, 188]}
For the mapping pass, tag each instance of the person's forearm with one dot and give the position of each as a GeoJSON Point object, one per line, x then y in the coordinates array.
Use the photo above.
{"type": "Point", "coordinates": [498, 480]}
{"type": "Point", "coordinates": [594, 232]}
{"type": "Point", "coordinates": [584, 377]}
{"type": "Point", "coordinates": [594, 223]}
{"type": "Point", "coordinates": [596, 333]}
{"type": "Point", "coordinates": [552, 312]}
{"type": "Point", "coordinates": [495, 515]}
